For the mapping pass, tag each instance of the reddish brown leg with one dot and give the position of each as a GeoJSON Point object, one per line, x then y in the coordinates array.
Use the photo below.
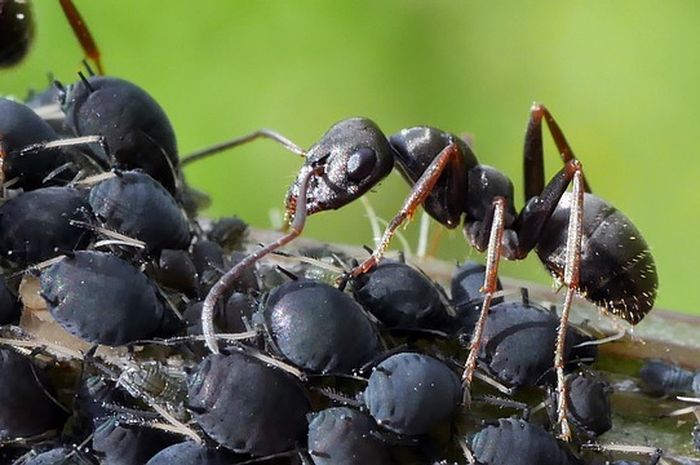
{"type": "Point", "coordinates": [533, 153]}
{"type": "Point", "coordinates": [82, 32]}
{"type": "Point", "coordinates": [420, 191]}
{"type": "Point", "coordinates": [259, 134]}
{"type": "Point", "coordinates": [571, 281]}
{"type": "Point", "coordinates": [493, 258]}
{"type": "Point", "coordinates": [227, 280]}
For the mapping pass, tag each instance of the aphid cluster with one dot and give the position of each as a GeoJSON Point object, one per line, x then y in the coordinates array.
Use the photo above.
{"type": "Point", "coordinates": [181, 348]}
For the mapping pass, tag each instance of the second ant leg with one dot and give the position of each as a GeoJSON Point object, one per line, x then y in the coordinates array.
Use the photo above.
{"type": "Point", "coordinates": [420, 191]}
{"type": "Point", "coordinates": [228, 279]}
{"type": "Point", "coordinates": [571, 280]}
{"type": "Point", "coordinates": [493, 258]}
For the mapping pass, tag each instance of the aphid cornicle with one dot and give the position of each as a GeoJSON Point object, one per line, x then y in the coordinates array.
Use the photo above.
{"type": "Point", "coordinates": [581, 239]}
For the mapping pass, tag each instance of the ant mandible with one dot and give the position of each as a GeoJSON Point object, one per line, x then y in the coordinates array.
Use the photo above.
{"type": "Point", "coordinates": [600, 254]}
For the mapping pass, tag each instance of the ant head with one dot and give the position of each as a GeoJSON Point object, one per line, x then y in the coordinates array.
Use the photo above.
{"type": "Point", "coordinates": [352, 157]}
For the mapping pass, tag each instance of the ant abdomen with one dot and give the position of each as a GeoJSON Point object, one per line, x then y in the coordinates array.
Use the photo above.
{"type": "Point", "coordinates": [617, 269]}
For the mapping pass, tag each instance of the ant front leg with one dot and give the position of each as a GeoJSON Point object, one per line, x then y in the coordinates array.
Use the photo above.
{"type": "Point", "coordinates": [421, 189]}
{"type": "Point", "coordinates": [259, 134]}
{"type": "Point", "coordinates": [229, 278]}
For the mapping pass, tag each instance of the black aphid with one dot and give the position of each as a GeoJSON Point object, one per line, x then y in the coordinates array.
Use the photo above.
{"type": "Point", "coordinates": [61, 456]}
{"type": "Point", "coordinates": [344, 436]}
{"type": "Point", "coordinates": [26, 405]}
{"type": "Point", "coordinates": [247, 406]}
{"type": "Point", "coordinates": [664, 378]}
{"type": "Point", "coordinates": [102, 299]}
{"type": "Point", "coordinates": [137, 131]}
{"type": "Point", "coordinates": [16, 31]}
{"type": "Point", "coordinates": [22, 129]}
{"type": "Point", "coordinates": [589, 412]}
{"type": "Point", "coordinates": [411, 393]}
{"type": "Point", "coordinates": [402, 297]}
{"type": "Point", "coordinates": [119, 443]}
{"type": "Point", "coordinates": [516, 442]}
{"type": "Point", "coordinates": [319, 328]}
{"type": "Point", "coordinates": [37, 225]}
{"type": "Point", "coordinates": [190, 453]}
{"type": "Point", "coordinates": [518, 344]}
{"type": "Point", "coordinates": [134, 204]}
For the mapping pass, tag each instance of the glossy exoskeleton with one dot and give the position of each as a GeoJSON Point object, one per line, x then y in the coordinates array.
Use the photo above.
{"type": "Point", "coordinates": [590, 412]}
{"type": "Point", "coordinates": [17, 31]}
{"type": "Point", "coordinates": [134, 204]}
{"type": "Point", "coordinates": [25, 163]}
{"type": "Point", "coordinates": [120, 443]}
{"type": "Point", "coordinates": [38, 225]}
{"type": "Point", "coordinates": [318, 328]}
{"type": "Point", "coordinates": [136, 130]}
{"type": "Point", "coordinates": [411, 393]}
{"type": "Point", "coordinates": [402, 297]}
{"type": "Point", "coordinates": [190, 453]}
{"type": "Point", "coordinates": [600, 254]}
{"type": "Point", "coordinates": [27, 408]}
{"type": "Point", "coordinates": [103, 299]}
{"type": "Point", "coordinates": [247, 406]}
{"type": "Point", "coordinates": [518, 339]}
{"type": "Point", "coordinates": [663, 378]}
{"type": "Point", "coordinates": [345, 436]}
{"type": "Point", "coordinates": [517, 442]}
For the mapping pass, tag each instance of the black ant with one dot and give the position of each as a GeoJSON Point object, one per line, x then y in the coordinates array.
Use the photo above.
{"type": "Point", "coordinates": [589, 246]}
{"type": "Point", "coordinates": [17, 32]}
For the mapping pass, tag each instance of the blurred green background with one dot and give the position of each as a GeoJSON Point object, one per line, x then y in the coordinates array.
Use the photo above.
{"type": "Point", "coordinates": [622, 78]}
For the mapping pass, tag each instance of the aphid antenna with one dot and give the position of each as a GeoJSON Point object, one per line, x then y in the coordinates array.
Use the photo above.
{"type": "Point", "coordinates": [287, 257]}
{"type": "Point", "coordinates": [94, 179]}
{"type": "Point", "coordinates": [168, 301]}
{"type": "Point", "coordinates": [88, 68]}
{"type": "Point", "coordinates": [683, 411]}
{"type": "Point", "coordinates": [655, 452]}
{"type": "Point", "coordinates": [117, 238]}
{"type": "Point", "coordinates": [371, 215]}
{"type": "Point", "coordinates": [177, 180]}
{"type": "Point", "coordinates": [694, 400]}
{"type": "Point", "coordinates": [305, 456]}
{"type": "Point", "coordinates": [268, 457]}
{"type": "Point", "coordinates": [46, 392]}
{"type": "Point", "coordinates": [614, 337]}
{"type": "Point", "coordinates": [493, 383]}
{"type": "Point", "coordinates": [176, 425]}
{"type": "Point", "coordinates": [272, 362]}
{"type": "Point", "coordinates": [35, 268]}
{"type": "Point", "coordinates": [502, 402]}
{"type": "Point", "coordinates": [70, 142]}
{"type": "Point", "coordinates": [230, 337]}
{"type": "Point", "coordinates": [57, 171]}
{"type": "Point", "coordinates": [336, 396]}
{"type": "Point", "coordinates": [26, 441]}
{"type": "Point", "coordinates": [287, 273]}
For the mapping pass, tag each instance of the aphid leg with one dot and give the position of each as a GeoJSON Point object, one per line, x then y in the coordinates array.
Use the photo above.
{"type": "Point", "coordinates": [71, 142]}
{"type": "Point", "coordinates": [533, 151]}
{"type": "Point", "coordinates": [82, 33]}
{"type": "Point", "coordinates": [418, 194]}
{"type": "Point", "coordinates": [654, 453]}
{"type": "Point", "coordinates": [571, 280]}
{"type": "Point", "coordinates": [261, 133]}
{"type": "Point", "coordinates": [493, 258]}
{"type": "Point", "coordinates": [227, 280]}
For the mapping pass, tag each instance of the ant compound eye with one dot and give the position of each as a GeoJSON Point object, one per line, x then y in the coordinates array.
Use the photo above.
{"type": "Point", "coordinates": [361, 164]}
